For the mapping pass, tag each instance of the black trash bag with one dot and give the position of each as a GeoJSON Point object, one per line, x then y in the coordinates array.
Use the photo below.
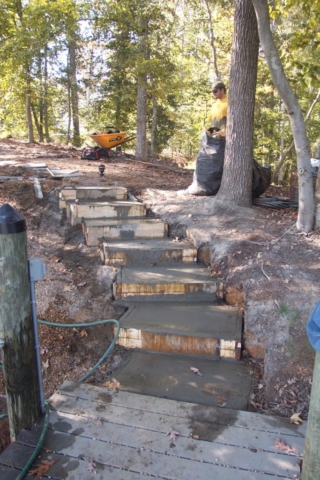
{"type": "Point", "coordinates": [261, 179]}
{"type": "Point", "coordinates": [209, 166]}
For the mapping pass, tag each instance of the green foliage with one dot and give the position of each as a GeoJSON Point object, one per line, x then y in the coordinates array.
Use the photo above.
{"type": "Point", "coordinates": [177, 63]}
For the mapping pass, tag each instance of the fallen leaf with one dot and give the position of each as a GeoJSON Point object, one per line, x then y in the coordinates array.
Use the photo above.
{"type": "Point", "coordinates": [43, 350]}
{"type": "Point", "coordinates": [173, 435]}
{"type": "Point", "coordinates": [83, 333]}
{"type": "Point", "coordinates": [45, 365]}
{"type": "Point", "coordinates": [283, 446]}
{"type": "Point", "coordinates": [295, 418]}
{"type": "Point", "coordinates": [196, 437]}
{"type": "Point", "coordinates": [113, 384]}
{"type": "Point", "coordinates": [41, 469]}
{"type": "Point", "coordinates": [195, 370]}
{"type": "Point", "coordinates": [91, 467]}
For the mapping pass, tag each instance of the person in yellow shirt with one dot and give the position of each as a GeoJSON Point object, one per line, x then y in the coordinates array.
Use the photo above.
{"type": "Point", "coordinates": [218, 117]}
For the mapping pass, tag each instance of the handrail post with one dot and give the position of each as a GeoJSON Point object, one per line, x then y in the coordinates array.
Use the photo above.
{"type": "Point", "coordinates": [16, 327]}
{"type": "Point", "coordinates": [311, 458]}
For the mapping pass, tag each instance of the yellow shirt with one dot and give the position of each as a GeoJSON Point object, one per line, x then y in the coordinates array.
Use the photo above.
{"type": "Point", "coordinates": [218, 115]}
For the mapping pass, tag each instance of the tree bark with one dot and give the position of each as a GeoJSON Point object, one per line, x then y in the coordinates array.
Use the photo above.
{"type": "Point", "coordinates": [37, 124]}
{"type": "Point", "coordinates": [74, 92]}
{"type": "Point", "coordinates": [306, 201]}
{"type": "Point", "coordinates": [141, 142]}
{"type": "Point", "coordinates": [45, 101]}
{"type": "Point", "coordinates": [154, 125]}
{"type": "Point", "coordinates": [286, 153]}
{"type": "Point", "coordinates": [212, 43]}
{"type": "Point", "coordinates": [236, 184]}
{"type": "Point", "coordinates": [29, 119]}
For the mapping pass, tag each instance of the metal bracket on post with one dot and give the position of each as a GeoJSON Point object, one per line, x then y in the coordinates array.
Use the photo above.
{"type": "Point", "coordinates": [37, 270]}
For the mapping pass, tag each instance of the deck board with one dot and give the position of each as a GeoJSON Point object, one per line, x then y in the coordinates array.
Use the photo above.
{"type": "Point", "coordinates": [126, 435]}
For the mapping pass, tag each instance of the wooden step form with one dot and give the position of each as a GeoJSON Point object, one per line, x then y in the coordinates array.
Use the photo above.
{"type": "Point", "coordinates": [91, 193]}
{"type": "Point", "coordinates": [99, 230]}
{"type": "Point", "coordinates": [188, 328]}
{"type": "Point", "coordinates": [166, 283]}
{"type": "Point", "coordinates": [147, 252]}
{"type": "Point", "coordinates": [76, 212]}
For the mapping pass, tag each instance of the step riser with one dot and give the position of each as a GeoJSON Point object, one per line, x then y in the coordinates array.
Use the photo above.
{"type": "Point", "coordinates": [166, 257]}
{"type": "Point", "coordinates": [96, 235]}
{"type": "Point", "coordinates": [94, 194]}
{"type": "Point", "coordinates": [167, 343]}
{"type": "Point", "coordinates": [122, 291]}
{"type": "Point", "coordinates": [77, 212]}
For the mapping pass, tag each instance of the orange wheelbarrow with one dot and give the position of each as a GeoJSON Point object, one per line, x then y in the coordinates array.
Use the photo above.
{"type": "Point", "coordinates": [111, 138]}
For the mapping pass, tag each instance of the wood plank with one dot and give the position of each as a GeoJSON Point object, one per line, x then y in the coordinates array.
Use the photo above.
{"type": "Point", "coordinates": [169, 465]}
{"type": "Point", "coordinates": [10, 473]}
{"type": "Point", "coordinates": [250, 420]}
{"type": "Point", "coordinates": [187, 428]}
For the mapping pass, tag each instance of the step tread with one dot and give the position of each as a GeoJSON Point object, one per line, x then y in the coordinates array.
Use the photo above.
{"type": "Point", "coordinates": [188, 318]}
{"type": "Point", "coordinates": [167, 274]}
{"type": "Point", "coordinates": [168, 375]}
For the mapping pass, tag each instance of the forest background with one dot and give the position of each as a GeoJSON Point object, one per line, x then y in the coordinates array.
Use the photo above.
{"type": "Point", "coordinates": [73, 67]}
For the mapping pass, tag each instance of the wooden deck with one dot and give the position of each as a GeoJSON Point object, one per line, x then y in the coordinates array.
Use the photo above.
{"type": "Point", "coordinates": [99, 433]}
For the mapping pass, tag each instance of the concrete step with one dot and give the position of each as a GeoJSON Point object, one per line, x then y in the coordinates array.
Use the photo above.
{"type": "Point", "coordinates": [97, 230]}
{"type": "Point", "coordinates": [147, 252]}
{"type": "Point", "coordinates": [113, 209]}
{"type": "Point", "coordinates": [219, 382]}
{"type": "Point", "coordinates": [91, 193]}
{"type": "Point", "coordinates": [183, 327]}
{"type": "Point", "coordinates": [167, 283]}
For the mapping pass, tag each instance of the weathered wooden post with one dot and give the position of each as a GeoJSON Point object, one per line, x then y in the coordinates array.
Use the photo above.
{"type": "Point", "coordinates": [311, 458]}
{"type": "Point", "coordinates": [16, 328]}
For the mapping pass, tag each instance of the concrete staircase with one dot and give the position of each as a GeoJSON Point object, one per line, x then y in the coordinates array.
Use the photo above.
{"type": "Point", "coordinates": [184, 343]}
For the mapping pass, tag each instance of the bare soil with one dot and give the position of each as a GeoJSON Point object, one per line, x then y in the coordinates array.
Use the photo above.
{"type": "Point", "coordinates": [269, 270]}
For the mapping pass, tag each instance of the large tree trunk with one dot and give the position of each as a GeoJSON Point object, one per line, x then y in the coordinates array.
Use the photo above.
{"type": "Point", "coordinates": [74, 92]}
{"type": "Point", "coordinates": [306, 200]}
{"type": "Point", "coordinates": [141, 142]}
{"type": "Point", "coordinates": [236, 184]}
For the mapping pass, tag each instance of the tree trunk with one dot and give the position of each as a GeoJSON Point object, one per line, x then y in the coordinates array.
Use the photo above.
{"type": "Point", "coordinates": [317, 199]}
{"type": "Point", "coordinates": [29, 119]}
{"type": "Point", "coordinates": [74, 92]}
{"type": "Point", "coordinates": [45, 101]}
{"type": "Point", "coordinates": [286, 153]}
{"type": "Point", "coordinates": [236, 184]}
{"type": "Point", "coordinates": [212, 43]}
{"type": "Point", "coordinates": [37, 124]}
{"type": "Point", "coordinates": [141, 142]}
{"type": "Point", "coordinates": [154, 125]}
{"type": "Point", "coordinates": [306, 201]}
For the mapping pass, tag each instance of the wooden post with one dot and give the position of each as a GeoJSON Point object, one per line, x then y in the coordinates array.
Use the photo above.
{"type": "Point", "coordinates": [311, 458]}
{"type": "Point", "coordinates": [16, 327]}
